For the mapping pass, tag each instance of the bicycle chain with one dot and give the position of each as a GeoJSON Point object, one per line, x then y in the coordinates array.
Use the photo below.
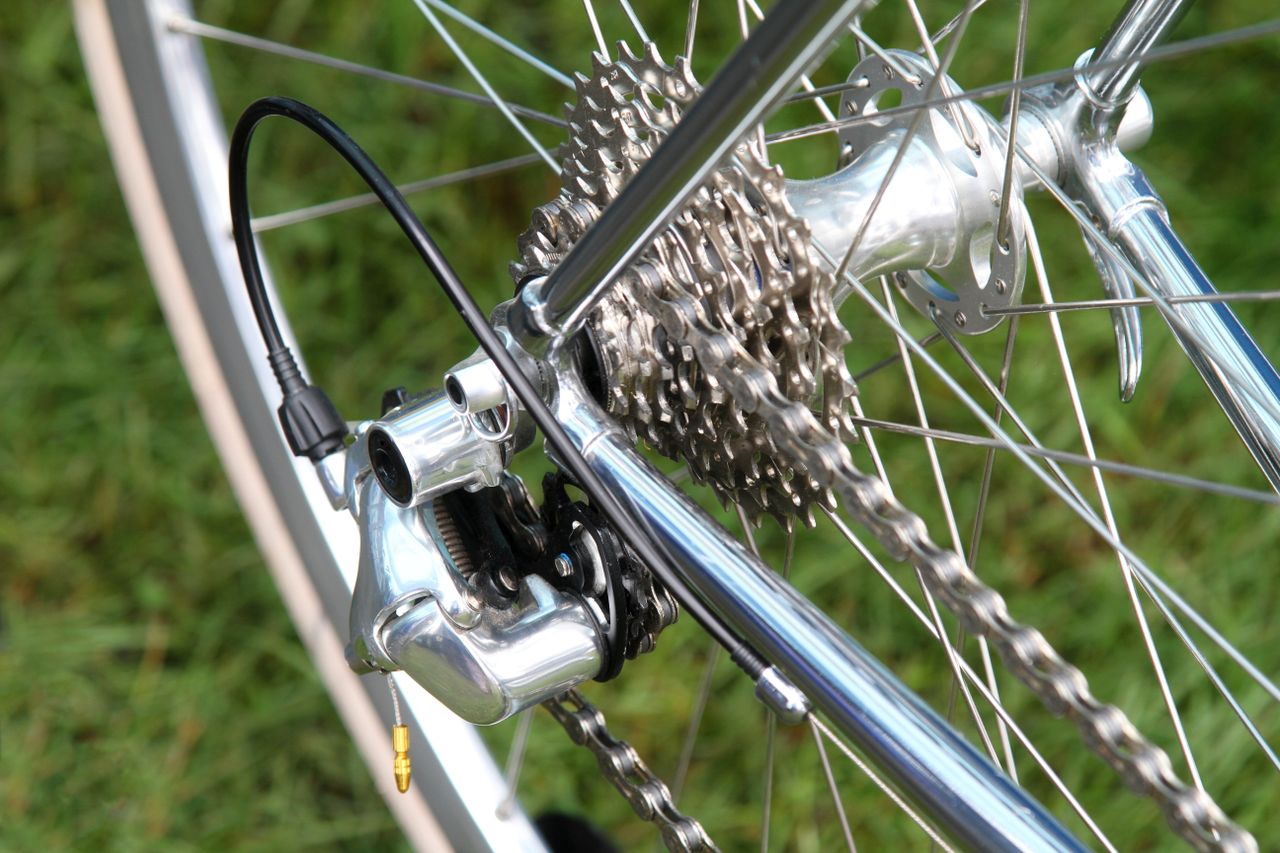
{"type": "Point", "coordinates": [623, 767]}
{"type": "Point", "coordinates": [1059, 685]}
{"type": "Point", "coordinates": [709, 359]}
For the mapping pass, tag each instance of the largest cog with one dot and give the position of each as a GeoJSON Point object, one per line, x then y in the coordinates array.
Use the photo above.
{"type": "Point", "coordinates": [738, 252]}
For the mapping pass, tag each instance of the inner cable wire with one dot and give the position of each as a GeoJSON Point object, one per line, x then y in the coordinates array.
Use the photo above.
{"type": "Point", "coordinates": [629, 524]}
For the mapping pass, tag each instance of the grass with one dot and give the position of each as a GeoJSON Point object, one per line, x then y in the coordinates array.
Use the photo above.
{"type": "Point", "coordinates": [153, 694]}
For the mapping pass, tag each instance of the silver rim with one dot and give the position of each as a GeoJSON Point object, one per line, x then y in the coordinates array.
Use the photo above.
{"type": "Point", "coordinates": [170, 157]}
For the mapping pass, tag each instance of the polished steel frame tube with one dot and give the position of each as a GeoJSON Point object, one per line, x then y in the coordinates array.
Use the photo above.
{"type": "Point", "coordinates": [1143, 25]}
{"type": "Point", "coordinates": [966, 796]}
{"type": "Point", "coordinates": [1240, 376]}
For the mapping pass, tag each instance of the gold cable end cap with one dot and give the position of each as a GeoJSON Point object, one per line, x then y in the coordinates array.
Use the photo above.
{"type": "Point", "coordinates": [403, 766]}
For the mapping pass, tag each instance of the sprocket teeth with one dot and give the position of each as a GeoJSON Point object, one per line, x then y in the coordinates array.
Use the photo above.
{"type": "Point", "coordinates": [736, 263]}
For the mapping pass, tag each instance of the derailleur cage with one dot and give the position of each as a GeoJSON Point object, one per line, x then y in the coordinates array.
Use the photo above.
{"type": "Point", "coordinates": [587, 554]}
{"type": "Point", "coordinates": [572, 546]}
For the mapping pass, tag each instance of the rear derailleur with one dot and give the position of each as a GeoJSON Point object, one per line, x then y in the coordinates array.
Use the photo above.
{"type": "Point", "coordinates": [488, 602]}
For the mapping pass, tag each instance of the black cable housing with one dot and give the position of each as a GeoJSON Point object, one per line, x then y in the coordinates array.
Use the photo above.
{"type": "Point", "coordinates": [310, 421]}
{"type": "Point", "coordinates": [628, 524]}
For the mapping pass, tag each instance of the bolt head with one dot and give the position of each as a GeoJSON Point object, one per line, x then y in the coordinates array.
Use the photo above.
{"type": "Point", "coordinates": [563, 565]}
{"type": "Point", "coordinates": [507, 579]}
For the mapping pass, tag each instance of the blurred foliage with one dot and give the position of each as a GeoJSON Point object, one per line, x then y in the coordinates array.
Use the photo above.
{"type": "Point", "coordinates": [153, 694]}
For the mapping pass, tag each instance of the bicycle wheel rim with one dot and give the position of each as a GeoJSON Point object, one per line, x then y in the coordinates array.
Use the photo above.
{"type": "Point", "coordinates": [165, 134]}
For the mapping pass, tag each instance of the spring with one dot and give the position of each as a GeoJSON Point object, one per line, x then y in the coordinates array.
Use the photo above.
{"type": "Point", "coordinates": [452, 539]}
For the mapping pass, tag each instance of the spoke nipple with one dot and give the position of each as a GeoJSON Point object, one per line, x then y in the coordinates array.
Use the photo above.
{"type": "Point", "coordinates": [403, 766]}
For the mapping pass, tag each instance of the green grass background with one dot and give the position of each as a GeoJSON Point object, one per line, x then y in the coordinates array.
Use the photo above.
{"type": "Point", "coordinates": [153, 694]}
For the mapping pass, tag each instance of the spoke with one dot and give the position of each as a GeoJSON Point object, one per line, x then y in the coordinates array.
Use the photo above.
{"type": "Point", "coordinates": [1015, 109]}
{"type": "Point", "coordinates": [695, 722]}
{"type": "Point", "coordinates": [972, 676]}
{"type": "Point", "coordinates": [212, 33]}
{"type": "Point", "coordinates": [1126, 571]}
{"type": "Point", "coordinates": [869, 439]}
{"type": "Point", "coordinates": [889, 59]}
{"type": "Point", "coordinates": [1159, 591]}
{"type": "Point", "coordinates": [745, 30]}
{"type": "Point", "coordinates": [1159, 54]}
{"type": "Point", "coordinates": [1055, 477]}
{"type": "Point", "coordinates": [831, 784]}
{"type": "Point", "coordinates": [329, 208]}
{"type": "Point", "coordinates": [893, 795]}
{"type": "Point", "coordinates": [635, 21]}
{"type": "Point", "coordinates": [953, 660]}
{"type": "Point", "coordinates": [789, 554]}
{"type": "Point", "coordinates": [746, 530]}
{"type": "Point", "coordinates": [944, 498]}
{"type": "Point", "coordinates": [804, 78]}
{"type": "Point", "coordinates": [975, 544]}
{"type": "Point", "coordinates": [1174, 319]}
{"type": "Point", "coordinates": [1064, 490]}
{"type": "Point", "coordinates": [1006, 198]}
{"type": "Point", "coordinates": [917, 399]}
{"type": "Point", "coordinates": [690, 30]}
{"type": "Point", "coordinates": [927, 340]}
{"type": "Point", "coordinates": [515, 761]}
{"type": "Point", "coordinates": [484, 84]}
{"type": "Point", "coordinates": [771, 719]}
{"type": "Point", "coordinates": [504, 43]}
{"type": "Point", "coordinates": [1075, 501]}
{"type": "Point", "coordinates": [770, 732]}
{"type": "Point", "coordinates": [859, 46]}
{"type": "Point", "coordinates": [595, 28]}
{"type": "Point", "coordinates": [1133, 302]}
{"type": "Point", "coordinates": [820, 104]}
{"type": "Point", "coordinates": [927, 43]}
{"type": "Point", "coordinates": [901, 153]}
{"type": "Point", "coordinates": [1070, 458]}
{"type": "Point", "coordinates": [957, 115]}
{"type": "Point", "coordinates": [1152, 584]}
{"type": "Point", "coordinates": [950, 26]}
{"type": "Point", "coordinates": [1211, 673]}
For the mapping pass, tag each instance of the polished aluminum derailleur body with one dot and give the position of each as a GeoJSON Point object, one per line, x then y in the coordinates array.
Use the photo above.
{"type": "Point", "coordinates": [416, 607]}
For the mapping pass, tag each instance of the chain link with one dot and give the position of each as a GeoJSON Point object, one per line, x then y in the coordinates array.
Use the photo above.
{"type": "Point", "coordinates": [622, 766]}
